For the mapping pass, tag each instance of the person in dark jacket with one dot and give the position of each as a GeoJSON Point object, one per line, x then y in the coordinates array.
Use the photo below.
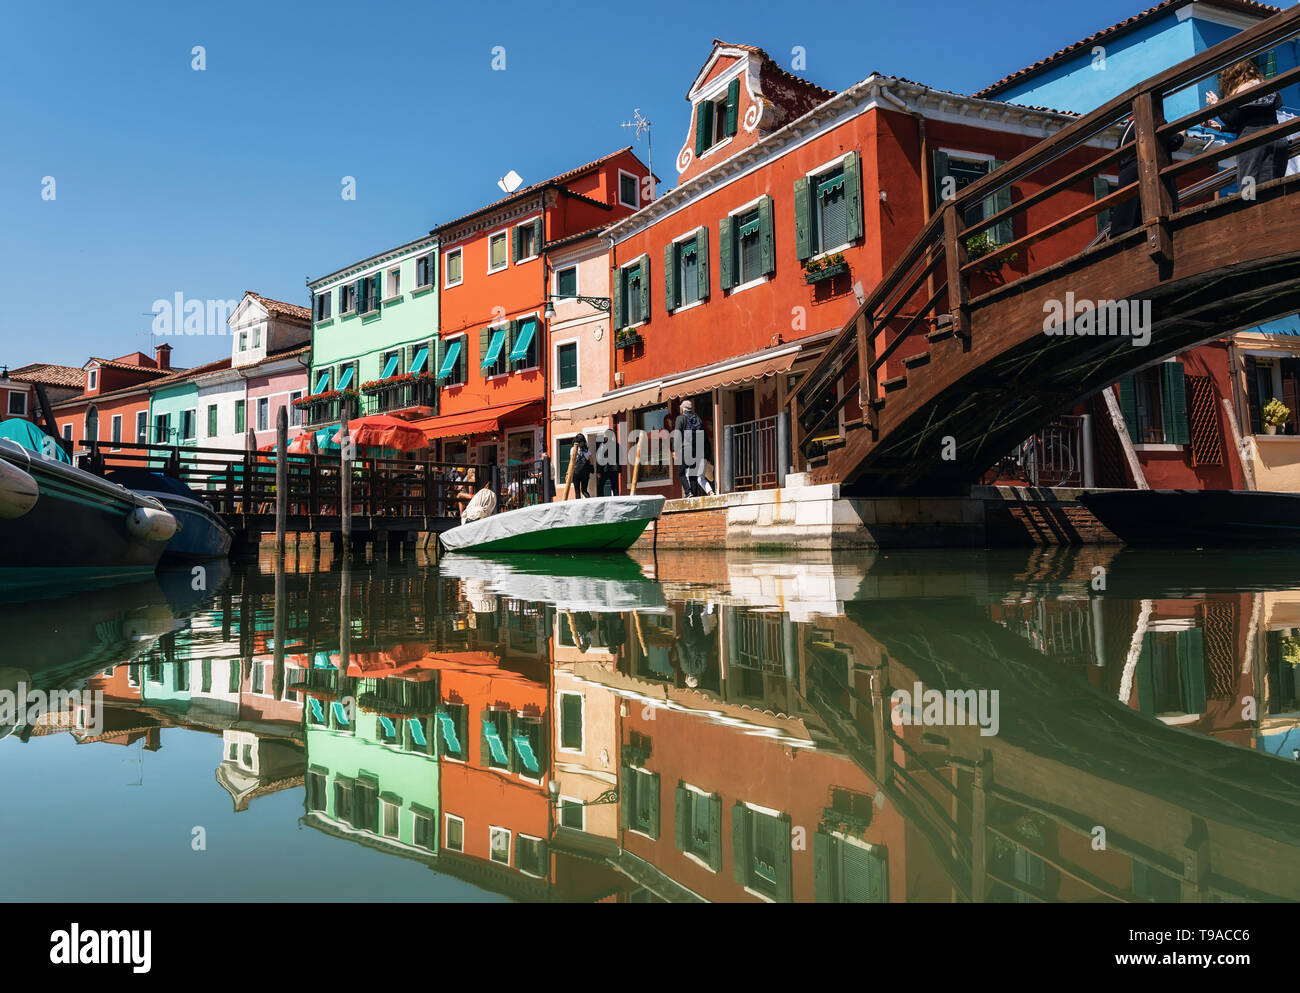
{"type": "Point", "coordinates": [1268, 161]}
{"type": "Point", "coordinates": [688, 435]}
{"type": "Point", "coordinates": [608, 469]}
{"type": "Point", "coordinates": [582, 467]}
{"type": "Point", "coordinates": [1128, 215]}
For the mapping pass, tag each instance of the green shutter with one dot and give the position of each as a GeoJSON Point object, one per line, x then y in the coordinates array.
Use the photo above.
{"type": "Point", "coordinates": [1145, 677]}
{"type": "Point", "coordinates": [538, 230]}
{"type": "Point", "coordinates": [703, 126]}
{"type": "Point", "coordinates": [511, 328]}
{"type": "Point", "coordinates": [484, 749]}
{"type": "Point", "coordinates": [626, 796]}
{"type": "Point", "coordinates": [715, 832]}
{"type": "Point", "coordinates": [941, 173]}
{"type": "Point", "coordinates": [740, 843]}
{"type": "Point", "coordinates": [879, 886]}
{"type": "Point", "coordinates": [1003, 232]}
{"type": "Point", "coordinates": [1101, 190]}
{"type": "Point", "coordinates": [651, 782]}
{"type": "Point", "coordinates": [784, 868]}
{"type": "Point", "coordinates": [681, 801]}
{"type": "Point", "coordinates": [726, 253]}
{"type": "Point", "coordinates": [670, 276]}
{"type": "Point", "coordinates": [645, 288]}
{"type": "Point", "coordinates": [733, 105]}
{"type": "Point", "coordinates": [823, 846]}
{"type": "Point", "coordinates": [1173, 389]}
{"type": "Point", "coordinates": [1191, 670]}
{"type": "Point", "coordinates": [766, 251]}
{"type": "Point", "coordinates": [802, 219]}
{"type": "Point", "coordinates": [484, 340]}
{"type": "Point", "coordinates": [620, 315]}
{"type": "Point", "coordinates": [1128, 406]}
{"type": "Point", "coordinates": [702, 261]}
{"type": "Point", "coordinates": [514, 244]}
{"type": "Point", "coordinates": [853, 195]}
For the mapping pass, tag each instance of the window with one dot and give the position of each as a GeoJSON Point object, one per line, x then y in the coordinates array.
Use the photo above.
{"type": "Point", "coordinates": [495, 743]}
{"type": "Point", "coordinates": [141, 428]}
{"type": "Point", "coordinates": [571, 722]}
{"type": "Point", "coordinates": [629, 190]}
{"type": "Point", "coordinates": [526, 751]}
{"type": "Point", "coordinates": [422, 829]}
{"type": "Point", "coordinates": [454, 273]}
{"type": "Point", "coordinates": [386, 730]}
{"type": "Point", "coordinates": [212, 420]}
{"type": "Point", "coordinates": [655, 460]}
{"type": "Point", "coordinates": [424, 271]}
{"type": "Point", "coordinates": [528, 240]}
{"type": "Point", "coordinates": [566, 281]}
{"type": "Point", "coordinates": [394, 283]}
{"type": "Point", "coordinates": [828, 208]}
{"type": "Point", "coordinates": [954, 171]}
{"type": "Point", "coordinates": [243, 341]}
{"type": "Point", "coordinates": [499, 845]}
{"type": "Point", "coordinates": [747, 235]}
{"type": "Point", "coordinates": [295, 413]}
{"type": "Point", "coordinates": [1102, 187]}
{"type": "Point", "coordinates": [1170, 673]}
{"type": "Point", "coordinates": [1154, 404]}
{"type": "Point", "coordinates": [572, 814]}
{"type": "Point", "coordinates": [92, 379]}
{"type": "Point", "coordinates": [117, 429]}
{"type": "Point", "coordinates": [715, 120]}
{"type": "Point", "coordinates": [365, 806]}
{"type": "Point", "coordinates": [455, 833]}
{"type": "Point", "coordinates": [343, 800]}
{"type": "Point", "coordinates": [369, 294]}
{"type": "Point", "coordinates": [162, 429]}
{"type": "Point", "coordinates": [566, 365]}
{"type": "Point", "coordinates": [263, 413]}
{"type": "Point", "coordinates": [531, 856]}
{"type": "Point", "coordinates": [697, 825]}
{"type": "Point", "coordinates": [746, 252]}
{"type": "Point", "coordinates": [495, 351]}
{"type": "Point", "coordinates": [17, 404]}
{"type": "Point", "coordinates": [348, 299]}
{"type": "Point", "coordinates": [632, 294]}
{"type": "Point", "coordinates": [848, 871]}
{"type": "Point", "coordinates": [453, 722]}
{"type": "Point", "coordinates": [641, 801]}
{"type": "Point", "coordinates": [257, 337]}
{"type": "Point", "coordinates": [454, 364]}
{"type": "Point", "coordinates": [67, 434]}
{"type": "Point", "coordinates": [317, 781]}
{"type": "Point", "coordinates": [1270, 379]}
{"type": "Point", "coordinates": [497, 258]}
{"type": "Point", "coordinates": [392, 364]}
{"type": "Point", "coordinates": [390, 818]}
{"type": "Point", "coordinates": [686, 270]}
{"type": "Point", "coordinates": [761, 846]}
{"type": "Point", "coordinates": [1267, 64]}
{"type": "Point", "coordinates": [240, 417]}
{"type": "Point", "coordinates": [830, 212]}
{"type": "Point", "coordinates": [523, 344]}
{"type": "Point", "coordinates": [323, 302]}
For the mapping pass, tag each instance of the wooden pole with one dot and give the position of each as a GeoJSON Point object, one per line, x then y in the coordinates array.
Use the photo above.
{"type": "Point", "coordinates": [281, 478]}
{"type": "Point", "coordinates": [315, 502]}
{"type": "Point", "coordinates": [636, 463]}
{"type": "Point", "coordinates": [345, 486]}
{"type": "Point", "coordinates": [568, 476]}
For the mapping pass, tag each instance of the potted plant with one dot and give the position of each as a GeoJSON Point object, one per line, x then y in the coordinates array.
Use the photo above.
{"type": "Point", "coordinates": [1291, 651]}
{"type": "Point", "coordinates": [1275, 414]}
{"type": "Point", "coordinates": [824, 267]}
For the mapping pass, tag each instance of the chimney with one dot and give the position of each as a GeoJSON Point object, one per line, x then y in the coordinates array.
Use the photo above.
{"type": "Point", "coordinates": [162, 356]}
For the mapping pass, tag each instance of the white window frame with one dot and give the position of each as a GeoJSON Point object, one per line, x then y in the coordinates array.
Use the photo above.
{"type": "Point", "coordinates": [530, 837]}
{"type": "Point", "coordinates": [243, 341]}
{"type": "Point", "coordinates": [623, 287]}
{"type": "Point", "coordinates": [537, 342]}
{"type": "Point", "coordinates": [707, 795]}
{"type": "Point", "coordinates": [383, 807]}
{"type": "Point", "coordinates": [577, 281]}
{"type": "Point", "coordinates": [92, 379]}
{"type": "Point", "coordinates": [141, 426]}
{"type": "Point", "coordinates": [812, 174]}
{"type": "Point", "coordinates": [295, 413]}
{"type": "Point", "coordinates": [505, 355]}
{"type": "Point", "coordinates": [501, 233]}
{"type": "Point", "coordinates": [690, 235]}
{"type": "Point", "coordinates": [115, 426]}
{"type": "Point", "coordinates": [67, 432]}
{"type": "Point", "coordinates": [636, 181]}
{"type": "Point", "coordinates": [194, 419]}
{"type": "Point", "coordinates": [559, 723]}
{"type": "Point", "coordinates": [392, 276]}
{"type": "Point", "coordinates": [419, 287]}
{"type": "Point", "coordinates": [464, 351]}
{"type": "Point", "coordinates": [343, 298]}
{"type": "Point", "coordinates": [759, 280]}
{"type": "Point", "coordinates": [447, 819]}
{"type": "Point", "coordinates": [263, 403]}
{"type": "Point", "coordinates": [328, 298]}
{"type": "Point", "coordinates": [571, 801]}
{"type": "Point", "coordinates": [510, 838]}
{"type": "Point", "coordinates": [555, 364]}
{"type": "Point", "coordinates": [447, 256]}
{"type": "Point", "coordinates": [10, 406]}
{"type": "Point", "coordinates": [537, 248]}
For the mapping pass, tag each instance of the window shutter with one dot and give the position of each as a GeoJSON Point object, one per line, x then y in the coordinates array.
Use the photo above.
{"type": "Point", "coordinates": [715, 832]}
{"type": "Point", "coordinates": [645, 288]}
{"type": "Point", "coordinates": [620, 317]}
{"type": "Point", "coordinates": [878, 890]}
{"type": "Point", "coordinates": [1191, 669]}
{"type": "Point", "coordinates": [703, 126]}
{"type": "Point", "coordinates": [802, 219]}
{"type": "Point", "coordinates": [740, 846]}
{"type": "Point", "coordinates": [1254, 401]}
{"type": "Point", "coordinates": [702, 261]}
{"type": "Point", "coordinates": [484, 749]}
{"type": "Point", "coordinates": [733, 105]}
{"type": "Point", "coordinates": [538, 228]}
{"type": "Point", "coordinates": [726, 253]}
{"type": "Point", "coordinates": [484, 339]}
{"type": "Point", "coordinates": [784, 874]}
{"type": "Point", "coordinates": [626, 796]}
{"type": "Point", "coordinates": [651, 782]}
{"type": "Point", "coordinates": [853, 195]}
{"type": "Point", "coordinates": [1003, 232]}
{"type": "Point", "coordinates": [1173, 383]}
{"type": "Point", "coordinates": [1128, 406]}
{"type": "Point", "coordinates": [511, 328]}
{"type": "Point", "coordinates": [823, 845]}
{"type": "Point", "coordinates": [670, 277]}
{"type": "Point", "coordinates": [681, 808]}
{"type": "Point", "coordinates": [941, 172]}
{"type": "Point", "coordinates": [767, 253]}
{"type": "Point", "coordinates": [1101, 190]}
{"type": "Point", "coordinates": [356, 296]}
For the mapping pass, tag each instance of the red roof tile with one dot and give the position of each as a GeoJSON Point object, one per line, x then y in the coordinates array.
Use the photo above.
{"type": "Point", "coordinates": [50, 375]}
{"type": "Point", "coordinates": [280, 307]}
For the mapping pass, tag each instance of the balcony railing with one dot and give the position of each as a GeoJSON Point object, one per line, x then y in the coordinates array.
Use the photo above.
{"type": "Point", "coordinates": [319, 412]}
{"type": "Point", "coordinates": [1057, 455]}
{"type": "Point", "coordinates": [756, 454]}
{"type": "Point", "coordinates": [401, 396]}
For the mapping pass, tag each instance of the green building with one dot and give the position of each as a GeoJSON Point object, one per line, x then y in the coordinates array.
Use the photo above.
{"type": "Point", "coordinates": [374, 324]}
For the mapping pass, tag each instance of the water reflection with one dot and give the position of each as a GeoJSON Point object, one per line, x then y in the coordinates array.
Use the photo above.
{"type": "Point", "coordinates": [705, 727]}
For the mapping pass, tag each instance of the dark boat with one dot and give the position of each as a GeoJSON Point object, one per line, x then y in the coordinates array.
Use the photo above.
{"type": "Point", "coordinates": [200, 533]}
{"type": "Point", "coordinates": [58, 522]}
{"type": "Point", "coordinates": [1197, 518]}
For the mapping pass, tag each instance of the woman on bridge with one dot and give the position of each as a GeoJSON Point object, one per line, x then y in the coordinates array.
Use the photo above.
{"type": "Point", "coordinates": [1258, 165]}
{"type": "Point", "coordinates": [1128, 214]}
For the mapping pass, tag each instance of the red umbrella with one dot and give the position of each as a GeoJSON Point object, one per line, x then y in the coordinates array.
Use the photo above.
{"type": "Point", "coordinates": [382, 431]}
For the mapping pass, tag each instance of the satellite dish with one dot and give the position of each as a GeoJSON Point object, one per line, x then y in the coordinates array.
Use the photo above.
{"type": "Point", "coordinates": [510, 182]}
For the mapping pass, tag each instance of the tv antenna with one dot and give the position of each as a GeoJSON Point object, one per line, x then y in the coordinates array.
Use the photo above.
{"type": "Point", "coordinates": [640, 124]}
{"type": "Point", "coordinates": [510, 182]}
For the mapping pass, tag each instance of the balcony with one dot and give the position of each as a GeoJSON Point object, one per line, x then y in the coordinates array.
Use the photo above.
{"type": "Point", "coordinates": [329, 408]}
{"type": "Point", "coordinates": [401, 393]}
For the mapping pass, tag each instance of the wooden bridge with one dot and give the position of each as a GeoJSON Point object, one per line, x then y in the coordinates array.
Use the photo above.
{"type": "Point", "coordinates": [947, 364]}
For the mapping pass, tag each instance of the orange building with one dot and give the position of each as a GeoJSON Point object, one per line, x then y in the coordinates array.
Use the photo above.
{"type": "Point", "coordinates": [493, 354]}
{"type": "Point", "coordinates": [115, 401]}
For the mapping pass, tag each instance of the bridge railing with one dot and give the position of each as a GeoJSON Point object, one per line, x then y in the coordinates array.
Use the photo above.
{"type": "Point", "coordinates": [1044, 206]}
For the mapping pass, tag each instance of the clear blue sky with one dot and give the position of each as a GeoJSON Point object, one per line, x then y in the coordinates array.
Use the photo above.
{"type": "Point", "coordinates": [209, 183]}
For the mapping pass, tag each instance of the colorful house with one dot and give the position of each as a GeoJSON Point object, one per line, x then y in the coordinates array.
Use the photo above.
{"type": "Point", "coordinates": [20, 388]}
{"type": "Point", "coordinates": [114, 401]}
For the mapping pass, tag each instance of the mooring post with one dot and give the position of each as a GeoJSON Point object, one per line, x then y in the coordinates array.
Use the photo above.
{"type": "Point", "coordinates": [281, 479]}
{"type": "Point", "coordinates": [345, 484]}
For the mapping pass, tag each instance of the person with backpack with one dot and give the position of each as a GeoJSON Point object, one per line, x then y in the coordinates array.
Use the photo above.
{"type": "Point", "coordinates": [582, 467]}
{"type": "Point", "coordinates": [608, 469]}
{"type": "Point", "coordinates": [688, 433]}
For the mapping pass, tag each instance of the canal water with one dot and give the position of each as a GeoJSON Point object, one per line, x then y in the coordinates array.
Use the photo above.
{"type": "Point", "coordinates": [1037, 725]}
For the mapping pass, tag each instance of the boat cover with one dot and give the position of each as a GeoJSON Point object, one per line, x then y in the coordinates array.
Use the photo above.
{"type": "Point", "coordinates": [593, 583]}
{"type": "Point", "coordinates": [544, 516]}
{"type": "Point", "coordinates": [33, 439]}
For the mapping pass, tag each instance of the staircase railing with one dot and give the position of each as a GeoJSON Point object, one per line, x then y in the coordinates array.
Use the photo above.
{"type": "Point", "coordinates": [955, 261]}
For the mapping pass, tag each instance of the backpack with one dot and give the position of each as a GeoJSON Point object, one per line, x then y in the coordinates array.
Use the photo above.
{"type": "Point", "coordinates": [693, 423]}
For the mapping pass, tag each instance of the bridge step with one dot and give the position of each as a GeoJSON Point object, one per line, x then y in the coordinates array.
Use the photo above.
{"type": "Point", "coordinates": [920, 359]}
{"type": "Point", "coordinates": [940, 334]}
{"type": "Point", "coordinates": [897, 383]}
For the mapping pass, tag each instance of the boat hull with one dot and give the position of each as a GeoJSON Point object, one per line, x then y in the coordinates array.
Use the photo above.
{"type": "Point", "coordinates": [1198, 518]}
{"type": "Point", "coordinates": [200, 535]}
{"type": "Point", "coordinates": [600, 525]}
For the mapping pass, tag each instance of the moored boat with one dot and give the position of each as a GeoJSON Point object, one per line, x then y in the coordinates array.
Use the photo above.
{"type": "Point", "coordinates": [1197, 518]}
{"type": "Point", "coordinates": [604, 524]}
{"type": "Point", "coordinates": [75, 524]}
{"type": "Point", "coordinates": [200, 534]}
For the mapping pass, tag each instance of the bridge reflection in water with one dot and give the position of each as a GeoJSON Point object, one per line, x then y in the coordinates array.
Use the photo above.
{"type": "Point", "coordinates": [687, 728]}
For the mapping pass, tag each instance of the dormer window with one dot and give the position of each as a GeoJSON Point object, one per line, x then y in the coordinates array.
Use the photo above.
{"type": "Point", "coordinates": [323, 301]}
{"type": "Point", "coordinates": [715, 120]}
{"type": "Point", "coordinates": [92, 380]}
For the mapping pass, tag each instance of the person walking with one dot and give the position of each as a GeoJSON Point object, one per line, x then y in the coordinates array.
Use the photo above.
{"type": "Point", "coordinates": [1128, 215]}
{"type": "Point", "coordinates": [1257, 165]}
{"type": "Point", "coordinates": [688, 436]}
{"type": "Point", "coordinates": [608, 468]}
{"type": "Point", "coordinates": [581, 465]}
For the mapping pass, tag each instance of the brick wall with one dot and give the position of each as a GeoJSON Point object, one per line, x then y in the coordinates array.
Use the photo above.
{"type": "Point", "coordinates": [687, 529]}
{"type": "Point", "coordinates": [1041, 523]}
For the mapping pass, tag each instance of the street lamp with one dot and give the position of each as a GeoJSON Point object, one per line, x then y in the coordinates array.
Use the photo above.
{"type": "Point", "coordinates": [609, 796]}
{"type": "Point", "coordinates": [600, 303]}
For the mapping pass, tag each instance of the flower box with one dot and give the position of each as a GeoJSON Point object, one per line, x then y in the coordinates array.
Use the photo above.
{"type": "Point", "coordinates": [628, 340]}
{"type": "Point", "coordinates": [811, 276]}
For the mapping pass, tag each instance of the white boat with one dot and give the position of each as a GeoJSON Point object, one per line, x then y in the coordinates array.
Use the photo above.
{"type": "Point", "coordinates": [603, 524]}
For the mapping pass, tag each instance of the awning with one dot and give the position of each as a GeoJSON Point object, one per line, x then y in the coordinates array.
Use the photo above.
{"type": "Point", "coordinates": [323, 381]}
{"type": "Point", "coordinates": [390, 367]}
{"type": "Point", "coordinates": [706, 382]}
{"type": "Point", "coordinates": [494, 348]}
{"type": "Point", "coordinates": [526, 331]}
{"type": "Point", "coordinates": [616, 403]}
{"type": "Point", "coordinates": [487, 420]}
{"type": "Point", "coordinates": [421, 357]}
{"type": "Point", "coordinates": [449, 361]}
{"type": "Point", "coordinates": [346, 379]}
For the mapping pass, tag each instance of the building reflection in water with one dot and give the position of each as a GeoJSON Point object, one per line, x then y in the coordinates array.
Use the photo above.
{"type": "Point", "coordinates": [697, 727]}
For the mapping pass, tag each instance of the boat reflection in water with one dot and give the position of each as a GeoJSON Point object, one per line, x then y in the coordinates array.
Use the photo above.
{"type": "Point", "coordinates": [704, 727]}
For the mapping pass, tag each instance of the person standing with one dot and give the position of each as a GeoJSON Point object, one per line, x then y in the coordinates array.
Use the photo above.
{"type": "Point", "coordinates": [608, 468]}
{"type": "Point", "coordinates": [1128, 215]}
{"type": "Point", "coordinates": [688, 437]}
{"type": "Point", "coordinates": [1259, 165]}
{"type": "Point", "coordinates": [581, 457]}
